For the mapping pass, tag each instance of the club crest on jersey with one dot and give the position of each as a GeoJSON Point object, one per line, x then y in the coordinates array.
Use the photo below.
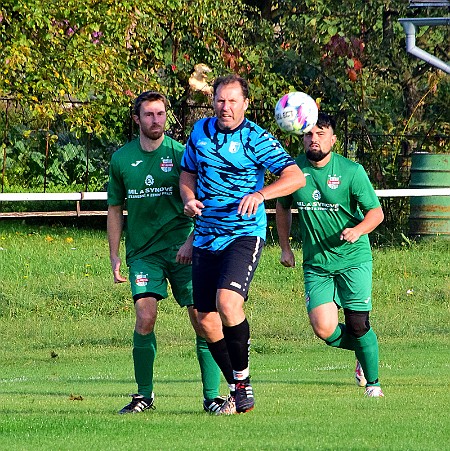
{"type": "Point", "coordinates": [333, 182]}
{"type": "Point", "coordinates": [234, 147]}
{"type": "Point", "coordinates": [149, 180]}
{"type": "Point", "coordinates": [316, 194]}
{"type": "Point", "coordinates": [141, 279]}
{"type": "Point", "coordinates": [166, 164]}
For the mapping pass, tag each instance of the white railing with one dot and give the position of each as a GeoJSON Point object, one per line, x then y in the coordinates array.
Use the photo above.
{"type": "Point", "coordinates": [83, 196]}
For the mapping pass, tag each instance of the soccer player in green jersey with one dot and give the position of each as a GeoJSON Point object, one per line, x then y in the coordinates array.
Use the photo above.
{"type": "Point", "coordinates": [337, 208]}
{"type": "Point", "coordinates": [144, 174]}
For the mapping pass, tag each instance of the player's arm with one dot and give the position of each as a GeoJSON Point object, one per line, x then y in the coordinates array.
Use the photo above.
{"type": "Point", "coordinates": [114, 228]}
{"type": "Point", "coordinates": [372, 219]}
{"type": "Point", "coordinates": [184, 254]}
{"type": "Point", "coordinates": [188, 184]}
{"type": "Point", "coordinates": [284, 223]}
{"type": "Point", "coordinates": [291, 179]}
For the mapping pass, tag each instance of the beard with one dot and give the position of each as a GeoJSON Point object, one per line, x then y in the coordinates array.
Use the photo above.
{"type": "Point", "coordinates": [316, 155]}
{"type": "Point", "coordinates": [153, 134]}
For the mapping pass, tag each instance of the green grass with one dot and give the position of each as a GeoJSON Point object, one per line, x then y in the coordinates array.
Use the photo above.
{"type": "Point", "coordinates": [67, 330]}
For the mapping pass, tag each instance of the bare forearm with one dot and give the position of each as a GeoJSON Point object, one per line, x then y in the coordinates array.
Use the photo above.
{"type": "Point", "coordinates": [284, 223]}
{"type": "Point", "coordinates": [371, 220]}
{"type": "Point", "coordinates": [291, 179]}
{"type": "Point", "coordinates": [114, 229]}
{"type": "Point", "coordinates": [188, 184]}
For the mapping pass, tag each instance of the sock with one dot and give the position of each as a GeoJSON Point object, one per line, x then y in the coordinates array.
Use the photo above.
{"type": "Point", "coordinates": [341, 339]}
{"type": "Point", "coordinates": [144, 353]}
{"type": "Point", "coordinates": [209, 369]}
{"type": "Point", "coordinates": [219, 351]}
{"type": "Point", "coordinates": [366, 351]}
{"type": "Point", "coordinates": [238, 344]}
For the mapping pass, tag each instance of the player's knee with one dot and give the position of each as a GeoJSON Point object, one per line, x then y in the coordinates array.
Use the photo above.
{"type": "Point", "coordinates": [357, 323]}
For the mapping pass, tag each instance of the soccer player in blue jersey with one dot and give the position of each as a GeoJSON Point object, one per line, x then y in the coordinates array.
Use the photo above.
{"type": "Point", "coordinates": [222, 186]}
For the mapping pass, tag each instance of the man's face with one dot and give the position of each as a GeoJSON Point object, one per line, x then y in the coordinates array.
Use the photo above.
{"type": "Point", "coordinates": [152, 119]}
{"type": "Point", "coordinates": [318, 143]}
{"type": "Point", "coordinates": [229, 106]}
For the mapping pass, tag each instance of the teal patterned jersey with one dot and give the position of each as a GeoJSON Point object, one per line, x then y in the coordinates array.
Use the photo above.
{"type": "Point", "coordinates": [230, 165]}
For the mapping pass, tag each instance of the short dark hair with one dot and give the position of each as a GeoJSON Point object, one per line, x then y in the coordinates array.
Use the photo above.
{"type": "Point", "coordinates": [148, 96]}
{"type": "Point", "coordinates": [232, 78]}
{"type": "Point", "coordinates": [325, 120]}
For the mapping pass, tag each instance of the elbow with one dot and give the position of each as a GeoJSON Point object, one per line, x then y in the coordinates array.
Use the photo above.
{"type": "Point", "coordinates": [381, 216]}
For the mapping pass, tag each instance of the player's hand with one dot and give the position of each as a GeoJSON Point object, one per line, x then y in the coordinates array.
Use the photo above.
{"type": "Point", "coordinates": [351, 235]}
{"type": "Point", "coordinates": [184, 254]}
{"type": "Point", "coordinates": [287, 258]}
{"type": "Point", "coordinates": [115, 265]}
{"type": "Point", "coordinates": [193, 208]}
{"type": "Point", "coordinates": [249, 204]}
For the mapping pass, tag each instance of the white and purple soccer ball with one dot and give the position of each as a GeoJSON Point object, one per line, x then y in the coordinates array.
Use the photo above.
{"type": "Point", "coordinates": [296, 113]}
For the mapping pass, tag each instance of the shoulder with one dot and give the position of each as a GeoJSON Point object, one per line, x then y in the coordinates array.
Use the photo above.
{"type": "Point", "coordinates": [349, 165]}
{"type": "Point", "coordinates": [255, 129]}
{"type": "Point", "coordinates": [170, 142]}
{"type": "Point", "coordinates": [125, 150]}
{"type": "Point", "coordinates": [301, 160]}
{"type": "Point", "coordinates": [205, 122]}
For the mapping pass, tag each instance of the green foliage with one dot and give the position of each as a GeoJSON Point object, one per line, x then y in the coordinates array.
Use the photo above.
{"type": "Point", "coordinates": [82, 63]}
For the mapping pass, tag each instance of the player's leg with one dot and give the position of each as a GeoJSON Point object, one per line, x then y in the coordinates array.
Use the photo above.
{"type": "Point", "coordinates": [322, 307]}
{"type": "Point", "coordinates": [355, 285]}
{"type": "Point", "coordinates": [180, 278]}
{"type": "Point", "coordinates": [210, 371]}
{"type": "Point", "coordinates": [205, 273]}
{"type": "Point", "coordinates": [239, 262]}
{"type": "Point", "coordinates": [148, 286]}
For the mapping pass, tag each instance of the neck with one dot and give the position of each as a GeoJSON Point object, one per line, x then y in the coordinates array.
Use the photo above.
{"type": "Point", "coordinates": [148, 144]}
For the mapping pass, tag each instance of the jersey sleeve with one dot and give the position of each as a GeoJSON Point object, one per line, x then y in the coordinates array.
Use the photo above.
{"type": "Point", "coordinates": [363, 191]}
{"type": "Point", "coordinates": [189, 159]}
{"type": "Point", "coordinates": [116, 188]}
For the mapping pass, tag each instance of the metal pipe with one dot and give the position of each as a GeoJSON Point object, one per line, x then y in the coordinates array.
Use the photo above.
{"type": "Point", "coordinates": [410, 28]}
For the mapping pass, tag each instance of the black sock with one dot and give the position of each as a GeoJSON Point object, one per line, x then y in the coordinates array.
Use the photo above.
{"type": "Point", "coordinates": [238, 343]}
{"type": "Point", "coordinates": [219, 351]}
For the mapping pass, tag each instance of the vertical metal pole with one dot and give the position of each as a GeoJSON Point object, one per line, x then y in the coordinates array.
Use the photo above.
{"type": "Point", "coordinates": [47, 140]}
{"type": "Point", "coordinates": [5, 137]}
{"type": "Point", "coordinates": [86, 175]}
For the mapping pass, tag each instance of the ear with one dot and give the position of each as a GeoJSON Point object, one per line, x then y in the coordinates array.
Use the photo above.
{"type": "Point", "coordinates": [333, 140]}
{"type": "Point", "coordinates": [136, 119]}
{"type": "Point", "coordinates": [246, 104]}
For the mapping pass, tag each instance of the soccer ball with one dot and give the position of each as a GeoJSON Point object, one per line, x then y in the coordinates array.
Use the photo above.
{"type": "Point", "coordinates": [296, 112]}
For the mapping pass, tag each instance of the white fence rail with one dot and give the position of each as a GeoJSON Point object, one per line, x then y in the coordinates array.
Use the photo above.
{"type": "Point", "coordinates": [85, 196]}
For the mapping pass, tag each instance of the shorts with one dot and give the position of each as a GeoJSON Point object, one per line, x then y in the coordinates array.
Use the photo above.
{"type": "Point", "coordinates": [231, 268]}
{"type": "Point", "coordinates": [349, 288]}
{"type": "Point", "coordinates": [150, 277]}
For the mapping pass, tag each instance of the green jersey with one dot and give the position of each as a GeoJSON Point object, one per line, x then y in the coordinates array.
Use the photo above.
{"type": "Point", "coordinates": [334, 198]}
{"type": "Point", "coordinates": [149, 184]}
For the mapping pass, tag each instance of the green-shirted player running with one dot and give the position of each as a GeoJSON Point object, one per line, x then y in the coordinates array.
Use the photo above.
{"type": "Point", "coordinates": [145, 174]}
{"type": "Point", "coordinates": [337, 208]}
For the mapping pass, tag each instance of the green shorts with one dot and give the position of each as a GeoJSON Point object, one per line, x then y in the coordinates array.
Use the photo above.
{"type": "Point", "coordinates": [150, 276]}
{"type": "Point", "coordinates": [349, 288]}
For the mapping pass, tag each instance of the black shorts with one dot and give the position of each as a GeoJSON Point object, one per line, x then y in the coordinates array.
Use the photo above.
{"type": "Point", "coordinates": [231, 268]}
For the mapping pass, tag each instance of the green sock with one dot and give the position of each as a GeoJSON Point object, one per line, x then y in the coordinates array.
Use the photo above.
{"type": "Point", "coordinates": [366, 351]}
{"type": "Point", "coordinates": [144, 353]}
{"type": "Point", "coordinates": [209, 369]}
{"type": "Point", "coordinates": [341, 339]}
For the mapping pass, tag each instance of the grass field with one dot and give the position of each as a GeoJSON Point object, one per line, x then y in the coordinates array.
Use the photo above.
{"type": "Point", "coordinates": [65, 357]}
